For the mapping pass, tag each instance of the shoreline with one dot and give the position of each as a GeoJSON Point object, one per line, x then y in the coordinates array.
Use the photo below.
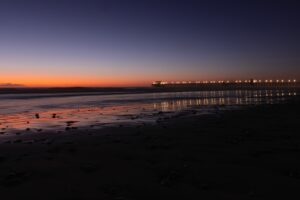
{"type": "Point", "coordinates": [250, 153]}
{"type": "Point", "coordinates": [85, 91]}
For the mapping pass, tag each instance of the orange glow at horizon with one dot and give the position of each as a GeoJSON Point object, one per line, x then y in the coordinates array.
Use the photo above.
{"type": "Point", "coordinates": [71, 81]}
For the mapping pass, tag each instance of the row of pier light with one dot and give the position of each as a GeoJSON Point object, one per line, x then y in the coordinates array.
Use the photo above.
{"type": "Point", "coordinates": [253, 81]}
{"type": "Point", "coordinates": [227, 82]}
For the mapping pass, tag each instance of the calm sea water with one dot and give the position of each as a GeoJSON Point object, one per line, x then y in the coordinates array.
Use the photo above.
{"type": "Point", "coordinates": [49, 112]}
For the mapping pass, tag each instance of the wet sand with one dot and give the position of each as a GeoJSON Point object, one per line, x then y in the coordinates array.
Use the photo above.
{"type": "Point", "coordinates": [251, 153]}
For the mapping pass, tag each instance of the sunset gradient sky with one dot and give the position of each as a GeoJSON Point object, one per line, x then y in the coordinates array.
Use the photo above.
{"type": "Point", "coordinates": [132, 43]}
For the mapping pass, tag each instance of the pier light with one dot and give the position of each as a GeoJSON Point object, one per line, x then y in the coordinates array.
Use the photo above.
{"type": "Point", "coordinates": [246, 81]}
{"type": "Point", "coordinates": [289, 81]}
{"type": "Point", "coordinates": [277, 81]}
{"type": "Point", "coordinates": [282, 81]}
{"type": "Point", "coordinates": [259, 81]}
{"type": "Point", "coordinates": [240, 81]}
{"type": "Point", "coordinates": [266, 81]}
{"type": "Point", "coordinates": [254, 81]}
{"type": "Point", "coordinates": [294, 80]}
{"type": "Point", "coordinates": [227, 81]}
{"type": "Point", "coordinates": [271, 81]}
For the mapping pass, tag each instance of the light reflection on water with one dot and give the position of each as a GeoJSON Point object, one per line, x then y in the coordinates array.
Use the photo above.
{"type": "Point", "coordinates": [226, 98]}
{"type": "Point", "coordinates": [98, 111]}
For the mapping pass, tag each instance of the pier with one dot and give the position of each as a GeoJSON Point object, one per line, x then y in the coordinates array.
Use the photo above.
{"type": "Point", "coordinates": [229, 85]}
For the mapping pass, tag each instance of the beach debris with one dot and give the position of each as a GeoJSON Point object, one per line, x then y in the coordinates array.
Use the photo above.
{"type": "Point", "coordinates": [37, 115]}
{"type": "Point", "coordinates": [29, 142]}
{"type": "Point", "coordinates": [70, 123]}
{"type": "Point", "coordinates": [1, 133]}
{"type": "Point", "coordinates": [18, 133]}
{"type": "Point", "coordinates": [54, 115]}
{"type": "Point", "coordinates": [27, 129]}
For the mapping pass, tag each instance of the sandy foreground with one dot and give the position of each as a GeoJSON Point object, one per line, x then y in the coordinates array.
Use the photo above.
{"type": "Point", "coordinates": [252, 153]}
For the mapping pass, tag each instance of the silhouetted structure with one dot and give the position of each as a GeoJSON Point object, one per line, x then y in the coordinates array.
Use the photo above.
{"type": "Point", "coordinates": [237, 84]}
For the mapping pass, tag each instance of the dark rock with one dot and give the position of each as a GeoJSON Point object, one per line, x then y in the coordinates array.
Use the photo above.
{"type": "Point", "coordinates": [69, 123]}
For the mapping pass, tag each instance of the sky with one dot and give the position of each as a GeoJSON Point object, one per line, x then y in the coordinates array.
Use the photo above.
{"type": "Point", "coordinates": [135, 42]}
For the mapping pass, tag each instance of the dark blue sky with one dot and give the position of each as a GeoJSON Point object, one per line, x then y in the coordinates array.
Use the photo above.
{"type": "Point", "coordinates": [112, 42]}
